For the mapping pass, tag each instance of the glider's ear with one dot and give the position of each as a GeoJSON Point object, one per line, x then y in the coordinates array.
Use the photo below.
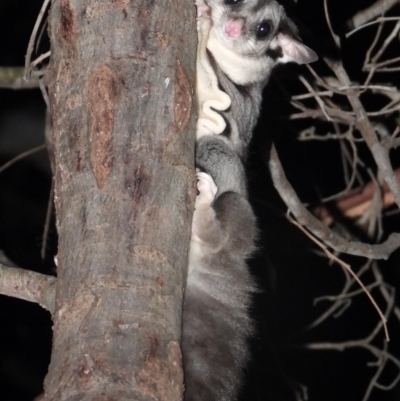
{"type": "Point", "coordinates": [293, 50]}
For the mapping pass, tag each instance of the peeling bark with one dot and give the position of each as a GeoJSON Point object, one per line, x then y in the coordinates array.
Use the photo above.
{"type": "Point", "coordinates": [121, 90]}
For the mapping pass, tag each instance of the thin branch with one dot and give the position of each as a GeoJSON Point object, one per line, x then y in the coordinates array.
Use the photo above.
{"type": "Point", "coordinates": [355, 203]}
{"type": "Point", "coordinates": [345, 295]}
{"type": "Point", "coordinates": [348, 268]}
{"type": "Point", "coordinates": [384, 290]}
{"type": "Point", "coordinates": [377, 66]}
{"type": "Point", "coordinates": [334, 114]}
{"type": "Point", "coordinates": [377, 21]}
{"type": "Point", "coordinates": [5, 260]}
{"type": "Point", "coordinates": [316, 97]}
{"type": "Point", "coordinates": [352, 160]}
{"type": "Point", "coordinates": [386, 43]}
{"type": "Point", "coordinates": [378, 8]}
{"type": "Point", "coordinates": [40, 58]}
{"type": "Point", "coordinates": [380, 154]}
{"type": "Point", "coordinates": [21, 156]}
{"type": "Point", "coordinates": [28, 285]}
{"type": "Point", "coordinates": [13, 78]}
{"type": "Point", "coordinates": [320, 230]}
{"type": "Point", "coordinates": [338, 300]}
{"type": "Point", "coordinates": [382, 356]}
{"type": "Point", "coordinates": [394, 69]}
{"type": "Point", "coordinates": [368, 54]}
{"type": "Point", "coordinates": [336, 38]}
{"type": "Point", "coordinates": [47, 221]}
{"type": "Point", "coordinates": [45, 95]}
{"type": "Point", "coordinates": [32, 39]}
{"type": "Point", "coordinates": [382, 88]}
{"type": "Point", "coordinates": [308, 95]}
{"type": "Point", "coordinates": [342, 346]}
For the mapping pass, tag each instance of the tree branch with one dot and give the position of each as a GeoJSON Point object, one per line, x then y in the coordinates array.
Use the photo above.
{"type": "Point", "coordinates": [379, 152]}
{"type": "Point", "coordinates": [28, 285]}
{"type": "Point", "coordinates": [320, 230]}
{"type": "Point", "coordinates": [373, 11]}
{"type": "Point", "coordinates": [355, 202]}
{"type": "Point", "coordinates": [13, 78]}
{"type": "Point", "coordinates": [29, 152]}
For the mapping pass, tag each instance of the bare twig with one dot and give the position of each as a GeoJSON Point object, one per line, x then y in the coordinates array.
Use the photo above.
{"type": "Point", "coordinates": [320, 230]}
{"type": "Point", "coordinates": [348, 268]}
{"type": "Point", "coordinates": [356, 202]}
{"type": "Point", "coordinates": [386, 43]}
{"type": "Point", "coordinates": [371, 49]}
{"type": "Point", "coordinates": [45, 95]}
{"type": "Point", "coordinates": [32, 39]}
{"type": "Point", "coordinates": [334, 114]}
{"type": "Point", "coordinates": [21, 156]}
{"type": "Point", "coordinates": [363, 124]}
{"type": "Point", "coordinates": [384, 289]}
{"type": "Point", "coordinates": [316, 96]}
{"type": "Point", "coordinates": [367, 204]}
{"type": "Point", "coordinates": [40, 59]}
{"type": "Point", "coordinates": [336, 38]}
{"type": "Point", "coordinates": [308, 95]}
{"type": "Point", "coordinates": [338, 299]}
{"type": "Point", "coordinates": [378, 8]}
{"type": "Point", "coordinates": [5, 260]}
{"type": "Point", "coordinates": [28, 285]}
{"type": "Point", "coordinates": [371, 219]}
{"type": "Point", "coordinates": [377, 21]}
{"type": "Point", "coordinates": [13, 78]}
{"type": "Point", "coordinates": [383, 356]}
{"type": "Point", "coordinates": [47, 221]}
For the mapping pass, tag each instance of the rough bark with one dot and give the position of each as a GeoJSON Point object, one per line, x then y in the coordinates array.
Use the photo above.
{"type": "Point", "coordinates": [121, 91]}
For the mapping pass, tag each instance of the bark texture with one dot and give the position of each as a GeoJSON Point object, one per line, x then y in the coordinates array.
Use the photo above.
{"type": "Point", "coordinates": [121, 89]}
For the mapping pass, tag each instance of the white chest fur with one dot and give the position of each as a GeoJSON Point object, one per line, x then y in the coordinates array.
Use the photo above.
{"type": "Point", "coordinates": [242, 70]}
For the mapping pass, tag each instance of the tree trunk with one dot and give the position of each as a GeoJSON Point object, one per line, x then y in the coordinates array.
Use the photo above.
{"type": "Point", "coordinates": [121, 89]}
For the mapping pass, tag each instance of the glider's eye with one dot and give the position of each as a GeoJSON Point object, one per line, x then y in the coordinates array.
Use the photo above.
{"type": "Point", "coordinates": [263, 29]}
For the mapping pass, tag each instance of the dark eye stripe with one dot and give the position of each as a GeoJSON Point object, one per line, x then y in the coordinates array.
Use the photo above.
{"type": "Point", "coordinates": [233, 2]}
{"type": "Point", "coordinates": [275, 54]}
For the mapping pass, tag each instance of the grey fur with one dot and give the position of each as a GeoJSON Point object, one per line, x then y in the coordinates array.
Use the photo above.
{"type": "Point", "coordinates": [245, 67]}
{"type": "Point", "coordinates": [216, 322]}
{"type": "Point", "coordinates": [242, 116]}
{"type": "Point", "coordinates": [216, 156]}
